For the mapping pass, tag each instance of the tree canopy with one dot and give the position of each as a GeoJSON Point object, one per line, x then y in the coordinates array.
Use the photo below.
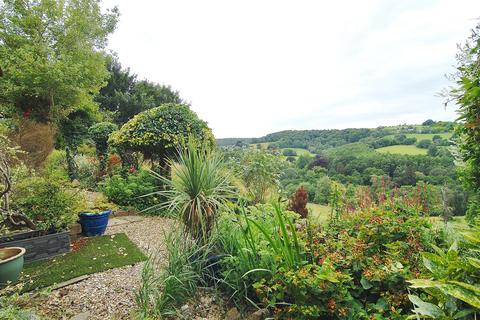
{"type": "Point", "coordinates": [158, 131]}
{"type": "Point", "coordinates": [52, 59]}
{"type": "Point", "coordinates": [124, 96]}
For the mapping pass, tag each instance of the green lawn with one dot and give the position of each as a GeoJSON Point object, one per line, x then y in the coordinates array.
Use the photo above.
{"type": "Point", "coordinates": [299, 151]}
{"type": "Point", "coordinates": [454, 226]}
{"type": "Point", "coordinates": [425, 136]}
{"type": "Point", "coordinates": [319, 213]}
{"type": "Point", "coordinates": [95, 255]}
{"type": "Point", "coordinates": [403, 149]}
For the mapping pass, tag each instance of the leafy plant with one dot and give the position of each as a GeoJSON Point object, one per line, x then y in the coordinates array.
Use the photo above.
{"type": "Point", "coordinates": [283, 243]}
{"type": "Point", "coordinates": [47, 202]}
{"type": "Point", "coordinates": [129, 191]}
{"type": "Point", "coordinates": [86, 171]}
{"type": "Point", "coordinates": [467, 97]}
{"type": "Point", "coordinates": [257, 240]}
{"type": "Point", "coordinates": [197, 189]}
{"type": "Point", "coordinates": [14, 306]}
{"type": "Point", "coordinates": [452, 286]}
{"type": "Point", "coordinates": [355, 269]}
{"type": "Point", "coordinates": [260, 172]}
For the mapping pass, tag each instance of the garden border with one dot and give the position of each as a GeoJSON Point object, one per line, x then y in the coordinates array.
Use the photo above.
{"type": "Point", "coordinates": [39, 247]}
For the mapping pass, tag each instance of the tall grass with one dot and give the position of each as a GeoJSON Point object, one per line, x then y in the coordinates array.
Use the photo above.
{"type": "Point", "coordinates": [198, 187]}
{"type": "Point", "coordinates": [283, 243]}
{"type": "Point", "coordinates": [258, 244]}
{"type": "Point", "coordinates": [165, 288]}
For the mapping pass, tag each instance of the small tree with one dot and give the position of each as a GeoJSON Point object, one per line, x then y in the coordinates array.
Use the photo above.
{"type": "Point", "coordinates": [159, 131]}
{"type": "Point", "coordinates": [298, 202]}
{"type": "Point", "coordinates": [260, 172]}
{"type": "Point", "coordinates": [99, 133]}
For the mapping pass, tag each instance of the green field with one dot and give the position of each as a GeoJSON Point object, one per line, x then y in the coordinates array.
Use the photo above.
{"type": "Point", "coordinates": [403, 149]}
{"type": "Point", "coordinates": [425, 136]}
{"type": "Point", "coordinates": [319, 213]}
{"type": "Point", "coordinates": [299, 151]}
{"type": "Point", "coordinates": [454, 227]}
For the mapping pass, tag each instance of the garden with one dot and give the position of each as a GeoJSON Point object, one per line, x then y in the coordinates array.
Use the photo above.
{"type": "Point", "coordinates": [117, 202]}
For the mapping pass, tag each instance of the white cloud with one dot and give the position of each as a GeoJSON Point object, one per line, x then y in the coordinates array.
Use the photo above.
{"type": "Point", "coordinates": [253, 67]}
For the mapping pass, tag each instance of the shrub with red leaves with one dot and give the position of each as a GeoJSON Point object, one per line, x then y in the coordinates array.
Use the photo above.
{"type": "Point", "coordinates": [298, 202]}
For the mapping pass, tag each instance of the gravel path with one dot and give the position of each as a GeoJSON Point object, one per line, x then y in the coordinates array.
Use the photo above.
{"type": "Point", "coordinates": [110, 294]}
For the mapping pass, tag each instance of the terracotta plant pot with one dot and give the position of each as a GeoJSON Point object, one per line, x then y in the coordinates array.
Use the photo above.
{"type": "Point", "coordinates": [11, 264]}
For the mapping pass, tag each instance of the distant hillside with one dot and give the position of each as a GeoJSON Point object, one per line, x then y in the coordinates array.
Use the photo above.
{"type": "Point", "coordinates": [409, 138]}
{"type": "Point", "coordinates": [233, 141]}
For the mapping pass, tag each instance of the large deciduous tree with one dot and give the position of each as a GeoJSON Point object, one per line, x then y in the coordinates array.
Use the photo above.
{"type": "Point", "coordinates": [52, 60]}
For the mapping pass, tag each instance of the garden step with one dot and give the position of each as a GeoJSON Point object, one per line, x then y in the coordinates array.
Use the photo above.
{"type": "Point", "coordinates": [69, 282]}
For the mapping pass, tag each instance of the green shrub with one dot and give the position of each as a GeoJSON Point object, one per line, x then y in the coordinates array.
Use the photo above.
{"type": "Point", "coordinates": [289, 153]}
{"type": "Point", "coordinates": [158, 131]}
{"type": "Point", "coordinates": [13, 305]}
{"type": "Point", "coordinates": [87, 171]}
{"type": "Point", "coordinates": [355, 269]}
{"type": "Point", "coordinates": [47, 202]}
{"type": "Point", "coordinates": [55, 165]}
{"type": "Point", "coordinates": [451, 281]}
{"type": "Point", "coordinates": [255, 245]}
{"type": "Point", "coordinates": [130, 191]}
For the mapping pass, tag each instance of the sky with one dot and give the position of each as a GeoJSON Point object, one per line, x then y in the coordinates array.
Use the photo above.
{"type": "Point", "coordinates": [253, 67]}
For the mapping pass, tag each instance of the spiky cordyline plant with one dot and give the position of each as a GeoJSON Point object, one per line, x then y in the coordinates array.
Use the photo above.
{"type": "Point", "coordinates": [198, 188]}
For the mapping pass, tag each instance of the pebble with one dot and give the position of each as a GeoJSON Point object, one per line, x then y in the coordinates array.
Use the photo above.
{"type": "Point", "coordinates": [111, 294]}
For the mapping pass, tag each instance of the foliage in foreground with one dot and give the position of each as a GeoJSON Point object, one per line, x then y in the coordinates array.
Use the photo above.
{"type": "Point", "coordinates": [165, 288]}
{"type": "Point", "coordinates": [467, 97]}
{"type": "Point", "coordinates": [197, 189]}
{"type": "Point", "coordinates": [355, 269]}
{"type": "Point", "coordinates": [453, 280]}
{"type": "Point", "coordinates": [14, 306]}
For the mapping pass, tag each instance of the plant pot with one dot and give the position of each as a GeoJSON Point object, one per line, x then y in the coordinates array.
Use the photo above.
{"type": "Point", "coordinates": [94, 224]}
{"type": "Point", "coordinates": [11, 264]}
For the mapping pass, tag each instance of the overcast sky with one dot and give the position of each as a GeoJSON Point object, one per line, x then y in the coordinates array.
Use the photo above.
{"type": "Point", "coordinates": [252, 67]}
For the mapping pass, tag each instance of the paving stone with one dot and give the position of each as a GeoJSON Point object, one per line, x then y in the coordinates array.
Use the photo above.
{"type": "Point", "coordinates": [81, 316]}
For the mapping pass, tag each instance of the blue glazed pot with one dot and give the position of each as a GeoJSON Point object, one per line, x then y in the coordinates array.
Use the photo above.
{"type": "Point", "coordinates": [94, 224]}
